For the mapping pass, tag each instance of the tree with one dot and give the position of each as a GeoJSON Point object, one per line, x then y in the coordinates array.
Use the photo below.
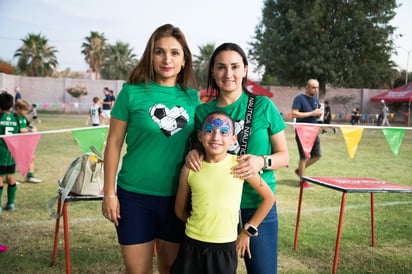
{"type": "Point", "coordinates": [93, 51]}
{"type": "Point", "coordinates": [338, 42]}
{"type": "Point", "coordinates": [118, 62]}
{"type": "Point", "coordinates": [36, 57]}
{"type": "Point", "coordinates": [201, 64]}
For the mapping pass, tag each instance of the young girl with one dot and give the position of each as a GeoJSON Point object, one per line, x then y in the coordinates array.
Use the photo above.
{"type": "Point", "coordinates": [215, 193]}
{"type": "Point", "coordinates": [266, 151]}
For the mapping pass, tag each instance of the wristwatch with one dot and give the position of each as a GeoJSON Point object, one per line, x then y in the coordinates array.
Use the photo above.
{"type": "Point", "coordinates": [267, 162]}
{"type": "Point", "coordinates": [251, 230]}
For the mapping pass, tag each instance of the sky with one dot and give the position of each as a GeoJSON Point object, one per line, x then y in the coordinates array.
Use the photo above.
{"type": "Point", "coordinates": [66, 23]}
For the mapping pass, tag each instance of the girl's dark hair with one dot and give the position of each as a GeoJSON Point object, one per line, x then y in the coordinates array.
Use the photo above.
{"type": "Point", "coordinates": [144, 71]}
{"type": "Point", "coordinates": [211, 83]}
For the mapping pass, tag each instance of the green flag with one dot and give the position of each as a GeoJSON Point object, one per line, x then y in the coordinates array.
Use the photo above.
{"type": "Point", "coordinates": [90, 137]}
{"type": "Point", "coordinates": [394, 138]}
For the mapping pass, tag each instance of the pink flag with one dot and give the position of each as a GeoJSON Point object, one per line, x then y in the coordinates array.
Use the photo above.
{"type": "Point", "coordinates": [307, 135]}
{"type": "Point", "coordinates": [22, 148]}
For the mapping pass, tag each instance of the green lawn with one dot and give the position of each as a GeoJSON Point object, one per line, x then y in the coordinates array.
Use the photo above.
{"type": "Point", "coordinates": [29, 231]}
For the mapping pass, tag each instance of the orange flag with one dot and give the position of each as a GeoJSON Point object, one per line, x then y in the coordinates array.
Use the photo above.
{"type": "Point", "coordinates": [307, 135]}
{"type": "Point", "coordinates": [352, 137]}
{"type": "Point", "coordinates": [22, 148]}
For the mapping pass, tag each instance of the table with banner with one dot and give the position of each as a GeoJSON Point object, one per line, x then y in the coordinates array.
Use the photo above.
{"type": "Point", "coordinates": [349, 185]}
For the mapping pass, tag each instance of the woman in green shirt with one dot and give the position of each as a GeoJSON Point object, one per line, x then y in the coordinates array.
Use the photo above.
{"type": "Point", "coordinates": [154, 112]}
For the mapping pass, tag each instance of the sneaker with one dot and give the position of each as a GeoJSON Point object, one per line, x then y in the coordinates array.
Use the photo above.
{"type": "Point", "coordinates": [33, 180]}
{"type": "Point", "coordinates": [306, 185]}
{"type": "Point", "coordinates": [10, 207]}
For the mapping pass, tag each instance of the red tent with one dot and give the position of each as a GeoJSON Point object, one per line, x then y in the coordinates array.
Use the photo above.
{"type": "Point", "coordinates": [254, 88]}
{"type": "Point", "coordinates": [399, 94]}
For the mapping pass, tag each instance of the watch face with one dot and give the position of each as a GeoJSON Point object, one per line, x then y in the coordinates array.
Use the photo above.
{"type": "Point", "coordinates": [251, 230]}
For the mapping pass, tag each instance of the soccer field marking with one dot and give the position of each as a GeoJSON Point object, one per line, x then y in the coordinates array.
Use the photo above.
{"type": "Point", "coordinates": [280, 211]}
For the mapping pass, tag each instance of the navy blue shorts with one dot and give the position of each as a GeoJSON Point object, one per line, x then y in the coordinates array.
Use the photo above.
{"type": "Point", "coordinates": [147, 217]}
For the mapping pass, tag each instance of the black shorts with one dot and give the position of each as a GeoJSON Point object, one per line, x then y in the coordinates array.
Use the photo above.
{"type": "Point", "coordinates": [315, 152]}
{"type": "Point", "coordinates": [205, 258]}
{"type": "Point", "coordinates": [4, 170]}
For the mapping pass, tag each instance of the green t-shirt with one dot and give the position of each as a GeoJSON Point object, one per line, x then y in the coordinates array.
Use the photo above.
{"type": "Point", "coordinates": [23, 122]}
{"type": "Point", "coordinates": [160, 120]}
{"type": "Point", "coordinates": [266, 121]}
{"type": "Point", "coordinates": [8, 125]}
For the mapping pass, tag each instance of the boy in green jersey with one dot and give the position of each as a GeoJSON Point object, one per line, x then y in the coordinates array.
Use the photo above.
{"type": "Point", "coordinates": [8, 125]}
{"type": "Point", "coordinates": [22, 108]}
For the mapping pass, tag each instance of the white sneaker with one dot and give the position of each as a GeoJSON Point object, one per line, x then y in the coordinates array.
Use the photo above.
{"type": "Point", "coordinates": [33, 180]}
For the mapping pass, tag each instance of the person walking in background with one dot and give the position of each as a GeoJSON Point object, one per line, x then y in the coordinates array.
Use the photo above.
{"type": "Point", "coordinates": [154, 111]}
{"type": "Point", "coordinates": [327, 117]}
{"type": "Point", "coordinates": [305, 110]}
{"type": "Point", "coordinates": [8, 125]}
{"type": "Point", "coordinates": [384, 115]}
{"type": "Point", "coordinates": [107, 105]}
{"type": "Point", "coordinates": [22, 108]}
{"type": "Point", "coordinates": [18, 94]}
{"type": "Point", "coordinates": [95, 112]}
{"type": "Point", "coordinates": [265, 151]}
{"type": "Point", "coordinates": [213, 248]}
{"type": "Point", "coordinates": [355, 117]}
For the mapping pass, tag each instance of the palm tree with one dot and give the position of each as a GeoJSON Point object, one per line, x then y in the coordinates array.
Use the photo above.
{"type": "Point", "coordinates": [36, 57]}
{"type": "Point", "coordinates": [118, 62]}
{"type": "Point", "coordinates": [93, 51]}
{"type": "Point", "coordinates": [201, 64]}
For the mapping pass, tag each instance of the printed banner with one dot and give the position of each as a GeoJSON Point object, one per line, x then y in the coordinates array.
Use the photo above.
{"type": "Point", "coordinates": [90, 137]}
{"type": "Point", "coordinates": [307, 135]}
{"type": "Point", "coordinates": [22, 148]}
{"type": "Point", "coordinates": [394, 138]}
{"type": "Point", "coordinates": [352, 136]}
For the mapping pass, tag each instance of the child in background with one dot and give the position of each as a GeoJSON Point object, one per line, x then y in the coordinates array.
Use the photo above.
{"type": "Point", "coordinates": [34, 112]}
{"type": "Point", "coordinates": [95, 112]}
{"type": "Point", "coordinates": [212, 242]}
{"type": "Point", "coordinates": [22, 108]}
{"type": "Point", "coordinates": [8, 125]}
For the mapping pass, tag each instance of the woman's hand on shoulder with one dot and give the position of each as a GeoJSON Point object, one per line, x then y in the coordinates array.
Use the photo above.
{"type": "Point", "coordinates": [247, 166]}
{"type": "Point", "coordinates": [193, 160]}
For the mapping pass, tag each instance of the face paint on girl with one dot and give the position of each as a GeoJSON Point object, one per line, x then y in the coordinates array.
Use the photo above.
{"type": "Point", "coordinates": [217, 123]}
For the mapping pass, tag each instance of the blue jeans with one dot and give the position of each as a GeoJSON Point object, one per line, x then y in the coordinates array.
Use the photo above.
{"type": "Point", "coordinates": [264, 247]}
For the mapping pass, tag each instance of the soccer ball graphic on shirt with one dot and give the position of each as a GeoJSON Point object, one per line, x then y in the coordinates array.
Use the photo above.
{"type": "Point", "coordinates": [170, 121]}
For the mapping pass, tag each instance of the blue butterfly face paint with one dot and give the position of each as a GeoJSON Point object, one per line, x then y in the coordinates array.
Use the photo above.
{"type": "Point", "coordinates": [216, 123]}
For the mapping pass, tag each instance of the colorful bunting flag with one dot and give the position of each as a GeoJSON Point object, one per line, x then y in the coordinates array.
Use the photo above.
{"type": "Point", "coordinates": [22, 148]}
{"type": "Point", "coordinates": [394, 138]}
{"type": "Point", "coordinates": [352, 136]}
{"type": "Point", "coordinates": [87, 137]}
{"type": "Point", "coordinates": [307, 135]}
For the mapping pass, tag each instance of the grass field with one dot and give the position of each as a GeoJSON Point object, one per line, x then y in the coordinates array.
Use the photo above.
{"type": "Point", "coordinates": [29, 231]}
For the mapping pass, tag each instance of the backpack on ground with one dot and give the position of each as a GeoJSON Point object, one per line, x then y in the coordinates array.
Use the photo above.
{"type": "Point", "coordinates": [84, 177]}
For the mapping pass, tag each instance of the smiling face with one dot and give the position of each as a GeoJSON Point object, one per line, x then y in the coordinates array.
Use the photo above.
{"type": "Point", "coordinates": [168, 60]}
{"type": "Point", "coordinates": [229, 71]}
{"type": "Point", "coordinates": [216, 136]}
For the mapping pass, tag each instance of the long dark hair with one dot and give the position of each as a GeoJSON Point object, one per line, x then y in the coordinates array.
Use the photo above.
{"type": "Point", "coordinates": [144, 71]}
{"type": "Point", "coordinates": [211, 83]}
